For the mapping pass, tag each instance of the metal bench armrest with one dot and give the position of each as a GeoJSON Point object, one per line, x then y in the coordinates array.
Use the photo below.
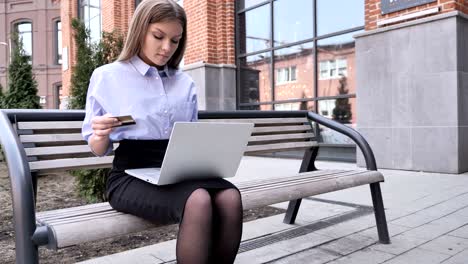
{"type": "Point", "coordinates": [21, 186]}
{"type": "Point", "coordinates": [353, 134]}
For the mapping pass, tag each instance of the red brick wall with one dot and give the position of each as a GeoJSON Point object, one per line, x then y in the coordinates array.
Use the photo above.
{"type": "Point", "coordinates": [210, 31]}
{"type": "Point", "coordinates": [68, 10]}
{"type": "Point", "coordinates": [116, 15]}
{"type": "Point", "coordinates": [373, 13]}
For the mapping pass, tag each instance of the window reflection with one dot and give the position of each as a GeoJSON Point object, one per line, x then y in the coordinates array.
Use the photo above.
{"type": "Point", "coordinates": [337, 15]}
{"type": "Point", "coordinates": [290, 84]}
{"type": "Point", "coordinates": [243, 4]}
{"type": "Point", "coordinates": [58, 42]}
{"type": "Point", "coordinates": [255, 81]}
{"type": "Point", "coordinates": [294, 78]}
{"type": "Point", "coordinates": [255, 30]}
{"type": "Point", "coordinates": [342, 110]}
{"type": "Point", "coordinates": [24, 30]}
{"type": "Point", "coordinates": [293, 22]}
{"type": "Point", "coordinates": [91, 16]}
{"type": "Point", "coordinates": [336, 58]}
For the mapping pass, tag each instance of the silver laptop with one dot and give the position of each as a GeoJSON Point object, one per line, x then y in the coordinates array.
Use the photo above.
{"type": "Point", "coordinates": [199, 150]}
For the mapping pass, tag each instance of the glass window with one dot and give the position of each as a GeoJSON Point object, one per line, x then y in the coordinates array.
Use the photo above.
{"type": "Point", "coordinates": [338, 15]}
{"type": "Point", "coordinates": [243, 4]}
{"type": "Point", "coordinates": [255, 30]}
{"type": "Point", "coordinates": [286, 29]}
{"type": "Point", "coordinates": [24, 30]}
{"type": "Point", "coordinates": [255, 80]}
{"type": "Point", "coordinates": [58, 93]}
{"type": "Point", "coordinates": [58, 42]}
{"type": "Point", "coordinates": [337, 58]}
{"type": "Point", "coordinates": [42, 100]}
{"type": "Point", "coordinates": [294, 69]}
{"type": "Point", "coordinates": [286, 75]}
{"type": "Point", "coordinates": [90, 11]}
{"type": "Point", "coordinates": [342, 110]}
{"type": "Point", "coordinates": [292, 22]}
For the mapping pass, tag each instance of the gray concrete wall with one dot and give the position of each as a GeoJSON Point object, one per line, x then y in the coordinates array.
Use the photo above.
{"type": "Point", "coordinates": [463, 91]}
{"type": "Point", "coordinates": [412, 94]}
{"type": "Point", "coordinates": [216, 85]}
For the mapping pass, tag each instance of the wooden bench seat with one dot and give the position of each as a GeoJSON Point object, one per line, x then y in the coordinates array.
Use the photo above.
{"type": "Point", "coordinates": [67, 225]}
{"type": "Point", "coordinates": [38, 142]}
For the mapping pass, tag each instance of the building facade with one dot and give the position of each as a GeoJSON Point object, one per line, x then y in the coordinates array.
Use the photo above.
{"type": "Point", "coordinates": [412, 84]}
{"type": "Point", "coordinates": [38, 24]}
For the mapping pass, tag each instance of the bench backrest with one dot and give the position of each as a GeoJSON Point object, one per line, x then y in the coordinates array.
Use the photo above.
{"type": "Point", "coordinates": [58, 145]}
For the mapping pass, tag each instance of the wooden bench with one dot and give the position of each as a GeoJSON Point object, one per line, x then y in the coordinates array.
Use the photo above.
{"type": "Point", "coordinates": [42, 141]}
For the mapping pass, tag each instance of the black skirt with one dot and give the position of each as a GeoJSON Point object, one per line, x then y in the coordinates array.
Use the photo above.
{"type": "Point", "coordinates": [159, 204]}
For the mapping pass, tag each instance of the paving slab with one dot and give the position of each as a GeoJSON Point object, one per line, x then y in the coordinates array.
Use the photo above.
{"type": "Point", "coordinates": [418, 255]}
{"type": "Point", "coordinates": [365, 256]}
{"type": "Point", "coordinates": [459, 258]}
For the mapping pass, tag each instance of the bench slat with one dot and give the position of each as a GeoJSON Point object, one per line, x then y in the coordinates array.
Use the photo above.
{"type": "Point", "coordinates": [64, 211]}
{"type": "Point", "coordinates": [281, 137]}
{"type": "Point", "coordinates": [46, 125]}
{"type": "Point", "coordinates": [283, 193]}
{"type": "Point", "coordinates": [101, 221]}
{"type": "Point", "coordinates": [73, 137]}
{"type": "Point", "coordinates": [74, 149]}
{"type": "Point", "coordinates": [275, 185]}
{"type": "Point", "coordinates": [279, 129]}
{"type": "Point", "coordinates": [66, 164]}
{"type": "Point", "coordinates": [253, 183]}
{"type": "Point", "coordinates": [260, 120]}
{"type": "Point", "coordinates": [280, 147]}
{"type": "Point", "coordinates": [42, 138]}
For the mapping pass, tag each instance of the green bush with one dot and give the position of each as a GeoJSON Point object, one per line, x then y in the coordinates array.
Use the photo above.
{"type": "Point", "coordinates": [2, 96]}
{"type": "Point", "coordinates": [91, 183]}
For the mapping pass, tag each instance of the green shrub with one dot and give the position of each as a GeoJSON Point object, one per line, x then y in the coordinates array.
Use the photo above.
{"type": "Point", "coordinates": [22, 92]}
{"type": "Point", "coordinates": [91, 184]}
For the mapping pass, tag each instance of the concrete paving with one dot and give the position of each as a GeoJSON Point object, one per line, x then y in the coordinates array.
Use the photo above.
{"type": "Point", "coordinates": [427, 215]}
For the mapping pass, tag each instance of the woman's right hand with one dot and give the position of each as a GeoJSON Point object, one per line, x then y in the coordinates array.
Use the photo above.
{"type": "Point", "coordinates": [103, 125]}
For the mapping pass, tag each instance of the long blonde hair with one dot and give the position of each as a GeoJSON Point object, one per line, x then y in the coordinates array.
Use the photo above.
{"type": "Point", "coordinates": [154, 11]}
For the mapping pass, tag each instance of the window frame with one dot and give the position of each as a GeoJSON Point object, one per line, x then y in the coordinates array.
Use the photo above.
{"type": "Point", "coordinates": [85, 4]}
{"type": "Point", "coordinates": [14, 29]}
{"type": "Point", "coordinates": [240, 12]}
{"type": "Point", "coordinates": [57, 49]}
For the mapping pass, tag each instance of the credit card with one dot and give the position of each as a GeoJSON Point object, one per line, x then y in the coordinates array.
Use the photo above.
{"type": "Point", "coordinates": [125, 120]}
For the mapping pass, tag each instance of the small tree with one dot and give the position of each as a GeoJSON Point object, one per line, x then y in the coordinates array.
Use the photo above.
{"type": "Point", "coordinates": [342, 111]}
{"type": "Point", "coordinates": [91, 183]}
{"type": "Point", "coordinates": [2, 97]}
{"type": "Point", "coordinates": [109, 48]}
{"type": "Point", "coordinates": [84, 66]}
{"type": "Point", "coordinates": [22, 92]}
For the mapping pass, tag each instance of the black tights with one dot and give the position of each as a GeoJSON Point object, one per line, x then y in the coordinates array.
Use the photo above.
{"type": "Point", "coordinates": [211, 229]}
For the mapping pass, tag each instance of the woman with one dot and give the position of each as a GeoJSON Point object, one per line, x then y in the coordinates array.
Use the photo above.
{"type": "Point", "coordinates": [146, 84]}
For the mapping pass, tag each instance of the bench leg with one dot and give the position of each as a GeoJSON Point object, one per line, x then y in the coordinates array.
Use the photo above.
{"type": "Point", "coordinates": [379, 212]}
{"type": "Point", "coordinates": [291, 213]}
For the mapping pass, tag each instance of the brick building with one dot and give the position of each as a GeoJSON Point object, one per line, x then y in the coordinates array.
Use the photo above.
{"type": "Point", "coordinates": [38, 24]}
